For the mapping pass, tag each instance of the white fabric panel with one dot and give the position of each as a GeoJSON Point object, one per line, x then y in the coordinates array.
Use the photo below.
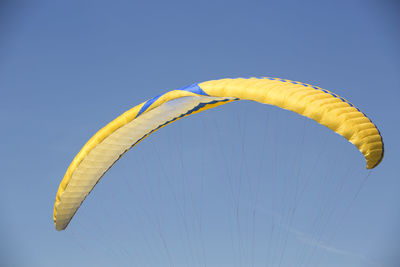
{"type": "Point", "coordinates": [102, 157]}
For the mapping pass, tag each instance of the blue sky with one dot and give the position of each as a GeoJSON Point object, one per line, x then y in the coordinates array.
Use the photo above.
{"type": "Point", "coordinates": [220, 188]}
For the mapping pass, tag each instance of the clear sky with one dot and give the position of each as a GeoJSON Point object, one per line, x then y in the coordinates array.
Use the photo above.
{"type": "Point", "coordinates": [242, 185]}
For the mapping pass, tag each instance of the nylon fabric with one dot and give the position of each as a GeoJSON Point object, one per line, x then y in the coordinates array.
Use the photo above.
{"type": "Point", "coordinates": [102, 156]}
{"type": "Point", "coordinates": [110, 143]}
{"type": "Point", "coordinates": [310, 101]}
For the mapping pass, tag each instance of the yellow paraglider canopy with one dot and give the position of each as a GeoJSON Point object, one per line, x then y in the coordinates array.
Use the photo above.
{"type": "Point", "coordinates": [124, 132]}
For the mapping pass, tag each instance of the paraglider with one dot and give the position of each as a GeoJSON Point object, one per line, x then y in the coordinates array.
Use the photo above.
{"type": "Point", "coordinates": [109, 144]}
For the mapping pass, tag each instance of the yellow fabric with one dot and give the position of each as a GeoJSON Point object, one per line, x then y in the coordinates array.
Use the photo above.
{"type": "Point", "coordinates": [109, 129]}
{"type": "Point", "coordinates": [111, 142]}
{"type": "Point", "coordinates": [324, 107]}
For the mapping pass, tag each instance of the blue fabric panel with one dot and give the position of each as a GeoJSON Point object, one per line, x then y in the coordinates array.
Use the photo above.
{"type": "Point", "coordinates": [147, 105]}
{"type": "Point", "coordinates": [194, 88]}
